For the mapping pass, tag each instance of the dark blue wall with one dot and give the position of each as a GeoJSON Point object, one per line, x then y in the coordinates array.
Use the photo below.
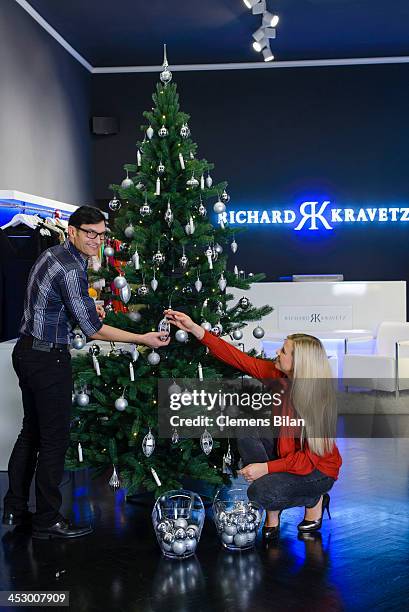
{"type": "Point", "coordinates": [283, 136]}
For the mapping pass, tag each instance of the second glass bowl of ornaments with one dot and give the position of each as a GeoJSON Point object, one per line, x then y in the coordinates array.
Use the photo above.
{"type": "Point", "coordinates": [177, 519]}
{"type": "Point", "coordinates": [237, 519]}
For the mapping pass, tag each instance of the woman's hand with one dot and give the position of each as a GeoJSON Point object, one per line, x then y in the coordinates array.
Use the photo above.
{"type": "Point", "coordinates": [183, 321]}
{"type": "Point", "coordinates": [253, 471]}
{"type": "Point", "coordinates": [100, 312]}
{"type": "Point", "coordinates": [153, 339]}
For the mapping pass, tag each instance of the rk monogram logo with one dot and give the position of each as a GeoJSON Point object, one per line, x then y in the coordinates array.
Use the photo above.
{"type": "Point", "coordinates": [315, 317]}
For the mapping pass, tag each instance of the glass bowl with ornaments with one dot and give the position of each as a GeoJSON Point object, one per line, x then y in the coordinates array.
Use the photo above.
{"type": "Point", "coordinates": [178, 518]}
{"type": "Point", "coordinates": [237, 519]}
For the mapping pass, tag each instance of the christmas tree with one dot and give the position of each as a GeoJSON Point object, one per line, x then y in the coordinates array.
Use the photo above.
{"type": "Point", "coordinates": [164, 252]}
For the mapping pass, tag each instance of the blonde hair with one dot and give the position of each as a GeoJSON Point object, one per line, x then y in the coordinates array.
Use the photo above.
{"type": "Point", "coordinates": [313, 393]}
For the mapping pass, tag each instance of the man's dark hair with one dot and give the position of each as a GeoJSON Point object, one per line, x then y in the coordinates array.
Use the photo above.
{"type": "Point", "coordinates": [86, 215]}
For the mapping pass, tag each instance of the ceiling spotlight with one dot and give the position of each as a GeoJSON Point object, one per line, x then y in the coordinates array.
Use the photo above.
{"type": "Point", "coordinates": [259, 8]}
{"type": "Point", "coordinates": [251, 3]}
{"type": "Point", "coordinates": [260, 44]}
{"type": "Point", "coordinates": [268, 56]}
{"type": "Point", "coordinates": [270, 20]}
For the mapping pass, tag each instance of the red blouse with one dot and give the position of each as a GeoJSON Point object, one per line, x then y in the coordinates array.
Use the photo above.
{"type": "Point", "coordinates": [292, 458]}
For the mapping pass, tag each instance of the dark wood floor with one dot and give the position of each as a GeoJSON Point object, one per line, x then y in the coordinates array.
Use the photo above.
{"type": "Point", "coordinates": [360, 561]}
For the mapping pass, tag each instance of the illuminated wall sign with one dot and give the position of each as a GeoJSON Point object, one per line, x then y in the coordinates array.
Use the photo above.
{"type": "Point", "coordinates": [315, 216]}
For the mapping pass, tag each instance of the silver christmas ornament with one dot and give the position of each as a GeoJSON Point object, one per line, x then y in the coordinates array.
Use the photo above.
{"type": "Point", "coordinates": [158, 258]}
{"type": "Point", "coordinates": [206, 442]}
{"type": "Point", "coordinates": [184, 131]}
{"type": "Point", "coordinates": [120, 281]}
{"type": "Point", "coordinates": [114, 204]}
{"type": "Point", "coordinates": [129, 231]}
{"type": "Point", "coordinates": [208, 181]}
{"type": "Point", "coordinates": [114, 481]}
{"type": "Point", "coordinates": [258, 332]}
{"type": "Point", "coordinates": [140, 186]}
{"type": "Point", "coordinates": [225, 197]}
{"type": "Point", "coordinates": [145, 210]}
{"type": "Point", "coordinates": [109, 251]}
{"type": "Point", "coordinates": [237, 334]}
{"type": "Point", "coordinates": [78, 342]}
{"type": "Point", "coordinates": [244, 303]}
{"type": "Point", "coordinates": [222, 283]}
{"type": "Point", "coordinates": [181, 523]}
{"type": "Point", "coordinates": [219, 207]}
{"type": "Point", "coordinates": [94, 350]}
{"type": "Point", "coordinates": [175, 436]}
{"type": "Point", "coordinates": [121, 404]}
{"type": "Point", "coordinates": [161, 168]}
{"type": "Point", "coordinates": [206, 325]}
{"type": "Point", "coordinates": [169, 215]}
{"type": "Point", "coordinates": [234, 246]}
{"type": "Point", "coordinates": [125, 294]}
{"type": "Point", "coordinates": [179, 547]}
{"type": "Point", "coordinates": [217, 329]}
{"type": "Point", "coordinates": [82, 399]}
{"type": "Point", "coordinates": [174, 388]}
{"type": "Point", "coordinates": [198, 285]}
{"type": "Point", "coordinates": [150, 132]}
{"type": "Point", "coordinates": [153, 358]}
{"type": "Point", "coordinates": [127, 182]}
{"type": "Point", "coordinates": [148, 444]}
{"type": "Point", "coordinates": [143, 290]}
{"type": "Point", "coordinates": [192, 182]}
{"type": "Point", "coordinates": [181, 335]}
{"type": "Point", "coordinates": [218, 248]}
{"type": "Point", "coordinates": [202, 210]}
{"type": "Point", "coordinates": [134, 316]}
{"type": "Point", "coordinates": [163, 132]}
{"type": "Point", "coordinates": [183, 260]}
{"type": "Point", "coordinates": [164, 326]}
{"type": "Point", "coordinates": [154, 283]}
{"type": "Point", "coordinates": [165, 75]}
{"type": "Point", "coordinates": [180, 534]}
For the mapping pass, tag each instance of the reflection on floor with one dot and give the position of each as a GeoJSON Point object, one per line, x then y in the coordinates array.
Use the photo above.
{"type": "Point", "coordinates": [359, 561]}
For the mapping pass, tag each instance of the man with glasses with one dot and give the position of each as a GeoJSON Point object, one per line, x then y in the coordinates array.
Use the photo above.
{"type": "Point", "coordinates": [56, 301]}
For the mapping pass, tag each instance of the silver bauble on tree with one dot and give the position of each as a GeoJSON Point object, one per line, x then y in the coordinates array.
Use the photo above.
{"type": "Point", "coordinates": [217, 329]}
{"type": "Point", "coordinates": [114, 204]}
{"type": "Point", "coordinates": [148, 444]}
{"type": "Point", "coordinates": [153, 358]}
{"type": "Point", "coordinates": [125, 293]}
{"type": "Point", "coordinates": [143, 290]}
{"type": "Point", "coordinates": [208, 181]}
{"type": "Point", "coordinates": [82, 399]}
{"type": "Point", "coordinates": [154, 282]}
{"type": "Point", "coordinates": [202, 210]}
{"type": "Point", "coordinates": [109, 251]}
{"type": "Point", "coordinates": [219, 207]}
{"type": "Point", "coordinates": [129, 231]}
{"type": "Point", "coordinates": [218, 248]}
{"type": "Point", "coordinates": [145, 210]}
{"type": "Point", "coordinates": [163, 132]}
{"type": "Point", "coordinates": [78, 342]}
{"type": "Point", "coordinates": [158, 258]}
{"type": "Point", "coordinates": [192, 182]}
{"type": "Point", "coordinates": [237, 334]}
{"type": "Point", "coordinates": [198, 285]}
{"type": "Point", "coordinates": [258, 332]}
{"type": "Point", "coordinates": [121, 404]}
{"type": "Point", "coordinates": [181, 336]}
{"type": "Point", "coordinates": [234, 246]}
{"type": "Point", "coordinates": [120, 281]}
{"type": "Point", "coordinates": [244, 303]}
{"type": "Point", "coordinates": [206, 325]}
{"type": "Point", "coordinates": [127, 182]}
{"type": "Point", "coordinates": [184, 260]}
{"type": "Point", "coordinates": [134, 316]}
{"type": "Point", "coordinates": [222, 283]}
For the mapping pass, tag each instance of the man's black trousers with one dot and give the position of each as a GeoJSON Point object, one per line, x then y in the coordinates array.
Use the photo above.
{"type": "Point", "coordinates": [45, 380]}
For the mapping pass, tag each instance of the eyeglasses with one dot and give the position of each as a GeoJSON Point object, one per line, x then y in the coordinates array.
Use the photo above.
{"type": "Point", "coordinates": [91, 234]}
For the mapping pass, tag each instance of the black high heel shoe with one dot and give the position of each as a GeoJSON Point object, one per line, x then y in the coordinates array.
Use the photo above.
{"type": "Point", "coordinates": [271, 533]}
{"type": "Point", "coordinates": [308, 526]}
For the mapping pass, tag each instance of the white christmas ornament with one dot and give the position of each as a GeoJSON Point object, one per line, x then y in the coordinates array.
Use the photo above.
{"type": "Point", "coordinates": [184, 131]}
{"type": "Point", "coordinates": [120, 281]}
{"type": "Point", "coordinates": [109, 251]}
{"type": "Point", "coordinates": [127, 182]}
{"type": "Point", "coordinates": [234, 246]}
{"type": "Point", "coordinates": [164, 326]}
{"type": "Point", "coordinates": [135, 259]}
{"type": "Point", "coordinates": [181, 336]}
{"type": "Point", "coordinates": [153, 358]}
{"type": "Point", "coordinates": [222, 282]}
{"type": "Point", "coordinates": [148, 444]}
{"type": "Point", "coordinates": [129, 231]}
{"type": "Point", "coordinates": [198, 285]}
{"type": "Point", "coordinates": [154, 282]}
{"type": "Point", "coordinates": [125, 293]}
{"type": "Point", "coordinates": [114, 204]}
{"type": "Point", "coordinates": [219, 207]}
{"type": "Point", "coordinates": [165, 75]}
{"type": "Point", "coordinates": [163, 132]}
{"type": "Point", "coordinates": [202, 182]}
{"type": "Point", "coordinates": [209, 181]}
{"type": "Point", "coordinates": [82, 399]}
{"type": "Point", "coordinates": [181, 161]}
{"type": "Point", "coordinates": [206, 442]}
{"type": "Point", "coordinates": [78, 342]}
{"type": "Point", "coordinates": [209, 255]}
{"type": "Point", "coordinates": [121, 404]}
{"type": "Point", "coordinates": [138, 158]}
{"type": "Point", "coordinates": [150, 132]}
{"type": "Point", "coordinates": [114, 481]}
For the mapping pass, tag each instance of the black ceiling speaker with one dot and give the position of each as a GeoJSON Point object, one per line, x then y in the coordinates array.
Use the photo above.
{"type": "Point", "coordinates": [105, 125]}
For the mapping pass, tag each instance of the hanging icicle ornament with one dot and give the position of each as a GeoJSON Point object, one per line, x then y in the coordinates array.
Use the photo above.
{"type": "Point", "coordinates": [139, 157]}
{"type": "Point", "coordinates": [163, 132]}
{"type": "Point", "coordinates": [198, 284]}
{"type": "Point", "coordinates": [206, 442]}
{"type": "Point", "coordinates": [114, 204]}
{"type": "Point", "coordinates": [129, 231]}
{"type": "Point", "coordinates": [127, 182]}
{"type": "Point", "coordinates": [169, 215]}
{"type": "Point", "coordinates": [222, 282]}
{"type": "Point", "coordinates": [114, 481]}
{"type": "Point", "coordinates": [219, 207]}
{"type": "Point", "coordinates": [164, 326]}
{"type": "Point", "coordinates": [120, 281]}
{"type": "Point", "coordinates": [148, 444]}
{"type": "Point", "coordinates": [234, 246]}
{"type": "Point", "coordinates": [154, 282]}
{"type": "Point", "coordinates": [153, 358]}
{"type": "Point", "coordinates": [150, 132]}
{"type": "Point", "coordinates": [184, 260]}
{"type": "Point", "coordinates": [125, 293]}
{"type": "Point", "coordinates": [209, 255]}
{"type": "Point", "coordinates": [225, 198]}
{"type": "Point", "coordinates": [192, 182]}
{"type": "Point", "coordinates": [185, 131]}
{"type": "Point", "coordinates": [181, 161]}
{"type": "Point", "coordinates": [135, 260]}
{"type": "Point", "coordinates": [161, 168]}
{"type": "Point", "coordinates": [209, 181]}
{"type": "Point", "coordinates": [165, 75]}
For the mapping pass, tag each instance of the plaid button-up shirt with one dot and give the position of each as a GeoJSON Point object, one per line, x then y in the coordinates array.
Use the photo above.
{"type": "Point", "coordinates": [57, 298]}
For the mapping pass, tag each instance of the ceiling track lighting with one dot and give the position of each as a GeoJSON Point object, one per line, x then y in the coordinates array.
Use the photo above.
{"type": "Point", "coordinates": [266, 31]}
